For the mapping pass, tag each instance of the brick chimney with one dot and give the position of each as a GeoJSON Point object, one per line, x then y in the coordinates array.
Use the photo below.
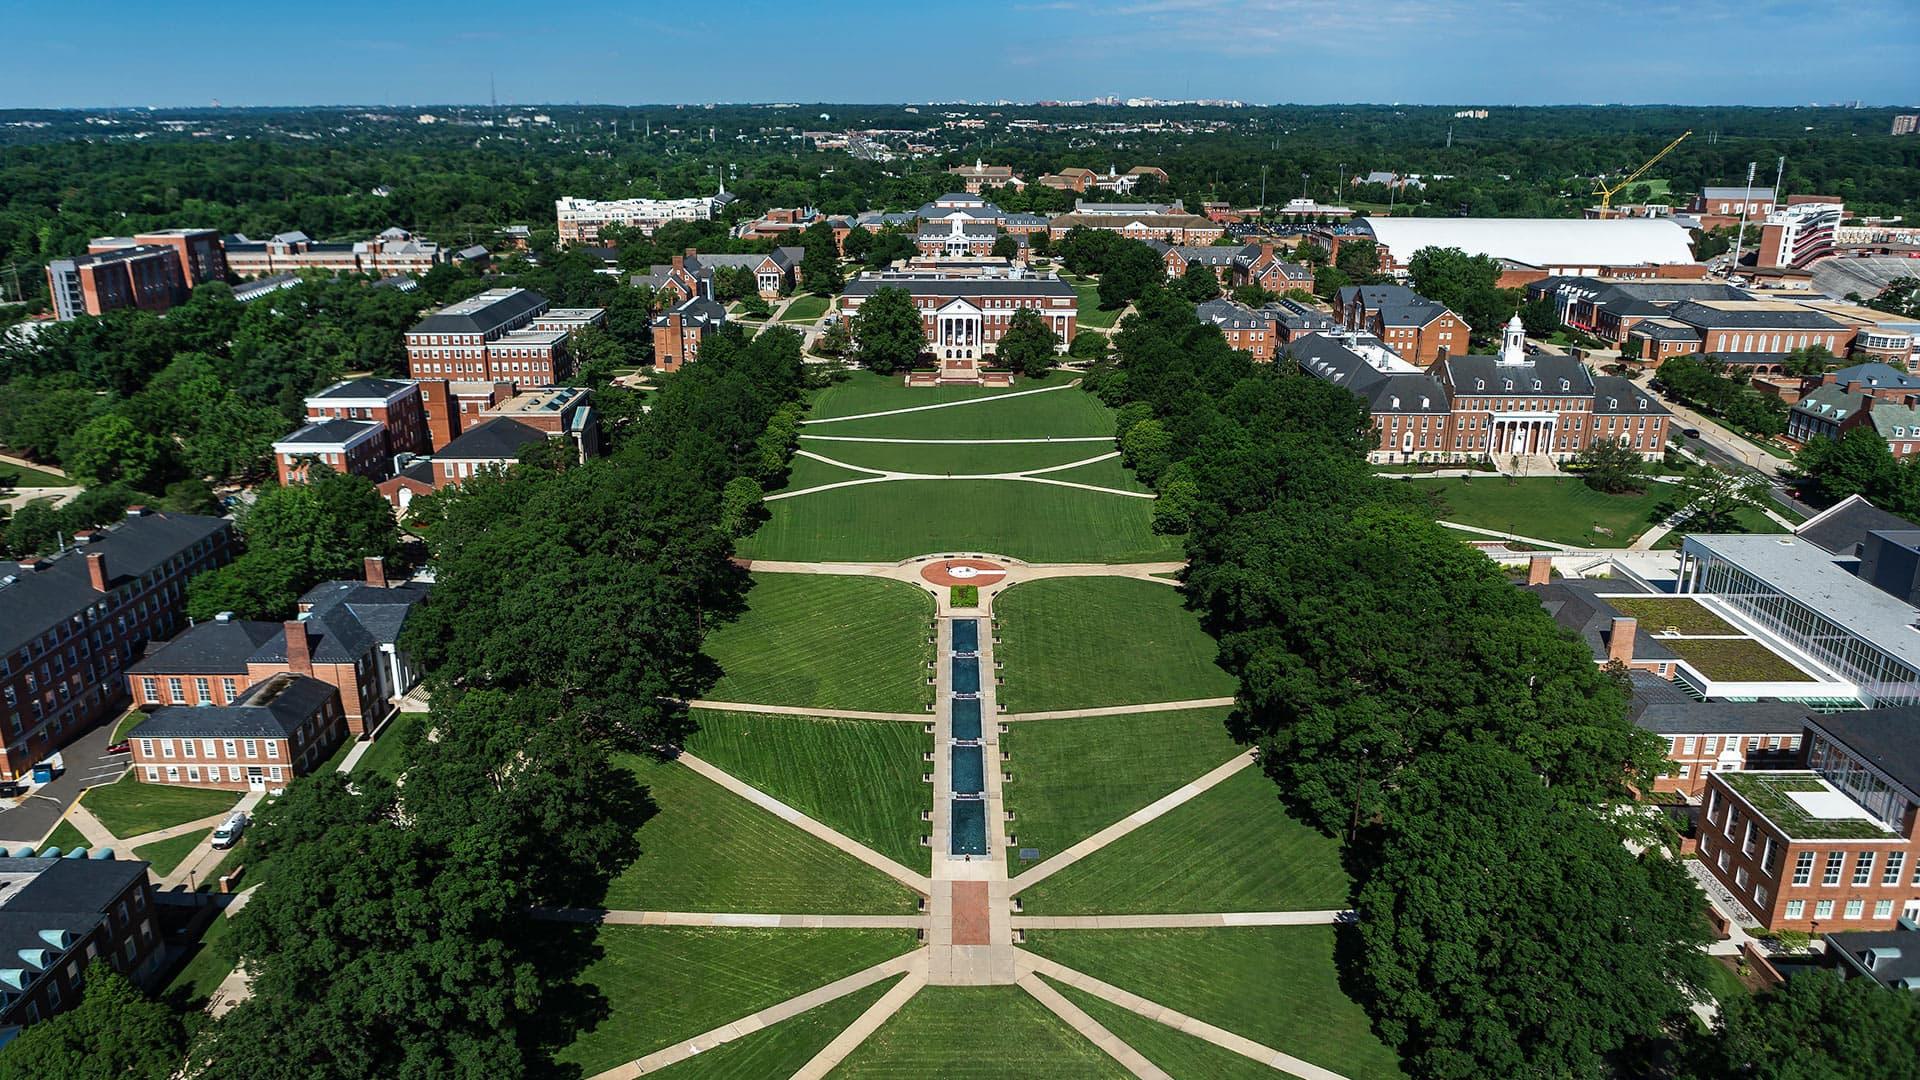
{"type": "Point", "coordinates": [299, 648]}
{"type": "Point", "coordinates": [1620, 641]}
{"type": "Point", "coordinates": [679, 263]}
{"type": "Point", "coordinates": [1539, 569]}
{"type": "Point", "coordinates": [97, 570]}
{"type": "Point", "coordinates": [1266, 251]}
{"type": "Point", "coordinates": [376, 571]}
{"type": "Point", "coordinates": [691, 252]}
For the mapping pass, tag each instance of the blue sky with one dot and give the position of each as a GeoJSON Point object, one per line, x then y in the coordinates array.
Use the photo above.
{"type": "Point", "coordinates": [1763, 52]}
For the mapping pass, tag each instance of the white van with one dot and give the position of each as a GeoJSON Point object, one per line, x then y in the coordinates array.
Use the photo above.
{"type": "Point", "coordinates": [228, 834]}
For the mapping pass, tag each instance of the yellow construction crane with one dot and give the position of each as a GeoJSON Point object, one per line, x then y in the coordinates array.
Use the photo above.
{"type": "Point", "coordinates": [1606, 193]}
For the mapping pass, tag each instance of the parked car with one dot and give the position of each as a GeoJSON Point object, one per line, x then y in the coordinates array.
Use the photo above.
{"type": "Point", "coordinates": [228, 834]}
{"type": "Point", "coordinates": [1691, 433]}
{"type": "Point", "coordinates": [121, 747]}
{"type": "Point", "coordinates": [12, 789]}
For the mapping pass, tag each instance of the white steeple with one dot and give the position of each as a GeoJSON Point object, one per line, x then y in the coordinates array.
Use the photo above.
{"type": "Point", "coordinates": [1513, 342]}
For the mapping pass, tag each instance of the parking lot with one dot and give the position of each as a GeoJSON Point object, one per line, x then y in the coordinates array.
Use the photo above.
{"type": "Point", "coordinates": [27, 820]}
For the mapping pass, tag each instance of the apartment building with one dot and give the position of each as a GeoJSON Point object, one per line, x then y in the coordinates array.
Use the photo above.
{"type": "Point", "coordinates": [58, 917]}
{"type": "Point", "coordinates": [678, 331]}
{"type": "Point", "coordinates": [279, 728]}
{"type": "Point", "coordinates": [393, 251]}
{"type": "Point", "coordinates": [580, 220]}
{"type": "Point", "coordinates": [70, 623]}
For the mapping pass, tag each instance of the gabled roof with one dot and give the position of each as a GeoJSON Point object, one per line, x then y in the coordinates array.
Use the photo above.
{"type": "Point", "coordinates": [1577, 606]}
{"type": "Point", "coordinates": [1843, 527]}
{"type": "Point", "coordinates": [1387, 393]}
{"type": "Point", "coordinates": [60, 588]}
{"type": "Point", "coordinates": [496, 440]}
{"type": "Point", "coordinates": [364, 387]}
{"type": "Point", "coordinates": [329, 432]}
{"type": "Point", "coordinates": [271, 709]}
{"type": "Point", "coordinates": [219, 646]}
{"type": "Point", "coordinates": [1877, 375]}
{"type": "Point", "coordinates": [1486, 376]}
{"type": "Point", "coordinates": [482, 314]}
{"type": "Point", "coordinates": [1231, 316]}
{"type": "Point", "coordinates": [1614, 395]}
{"type": "Point", "coordinates": [1770, 316]}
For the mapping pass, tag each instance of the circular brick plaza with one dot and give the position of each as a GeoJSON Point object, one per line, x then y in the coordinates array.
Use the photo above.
{"type": "Point", "coordinates": [963, 572]}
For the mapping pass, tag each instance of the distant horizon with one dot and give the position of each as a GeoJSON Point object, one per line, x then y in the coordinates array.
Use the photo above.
{"type": "Point", "coordinates": [1863, 106]}
{"type": "Point", "coordinates": [852, 51]}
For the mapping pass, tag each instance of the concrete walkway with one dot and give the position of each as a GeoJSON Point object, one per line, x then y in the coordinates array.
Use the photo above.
{"type": "Point", "coordinates": [903, 964]}
{"type": "Point", "coordinates": [1032, 964]}
{"type": "Point", "coordinates": [97, 834]}
{"type": "Point", "coordinates": [878, 1013]}
{"type": "Point", "coordinates": [1204, 920]}
{"type": "Point", "coordinates": [1030, 476]}
{"type": "Point", "coordinates": [983, 400]}
{"type": "Point", "coordinates": [1497, 534]}
{"type": "Point", "coordinates": [1091, 1030]}
{"type": "Point", "coordinates": [802, 710]}
{"type": "Point", "coordinates": [1152, 811]}
{"type": "Point", "coordinates": [917, 882]}
{"type": "Point", "coordinates": [1117, 710]}
{"type": "Point", "coordinates": [169, 833]}
{"type": "Point", "coordinates": [731, 919]}
{"type": "Point", "coordinates": [50, 470]}
{"type": "Point", "coordinates": [196, 866]}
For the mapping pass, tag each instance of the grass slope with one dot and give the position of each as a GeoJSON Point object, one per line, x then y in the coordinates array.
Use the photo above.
{"type": "Point", "coordinates": [782, 1049]}
{"type": "Point", "coordinates": [1090, 311]}
{"type": "Point", "coordinates": [1563, 510]}
{"type": "Point", "coordinates": [66, 836]}
{"type": "Point", "coordinates": [1183, 1056]}
{"type": "Point", "coordinates": [865, 392]}
{"type": "Point", "coordinates": [166, 855]}
{"type": "Point", "coordinates": [1065, 411]}
{"type": "Point", "coordinates": [129, 808]}
{"type": "Point", "coordinates": [861, 777]}
{"type": "Point", "coordinates": [827, 642]}
{"type": "Point", "coordinates": [667, 984]}
{"type": "Point", "coordinates": [709, 850]}
{"type": "Point", "coordinates": [383, 758]}
{"type": "Point", "coordinates": [1072, 778]}
{"type": "Point", "coordinates": [948, 459]}
{"type": "Point", "coordinates": [23, 476]}
{"type": "Point", "coordinates": [805, 309]}
{"type": "Point", "coordinates": [901, 519]}
{"type": "Point", "coordinates": [1070, 643]}
{"type": "Point", "coordinates": [1233, 848]}
{"type": "Point", "coordinates": [1274, 984]}
{"type": "Point", "coordinates": [976, 1033]}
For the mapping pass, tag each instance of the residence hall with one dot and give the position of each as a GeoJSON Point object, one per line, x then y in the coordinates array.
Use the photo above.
{"type": "Point", "coordinates": [1250, 264]}
{"type": "Point", "coordinates": [71, 622]}
{"type": "Point", "coordinates": [279, 728]}
{"type": "Point", "coordinates": [964, 315]}
{"type": "Point", "coordinates": [494, 439]}
{"type": "Point", "coordinates": [1139, 221]}
{"type": "Point", "coordinates": [1420, 330]}
{"type": "Point", "coordinates": [471, 355]}
{"type": "Point", "coordinates": [1873, 395]}
{"type": "Point", "coordinates": [690, 276]}
{"type": "Point", "coordinates": [59, 916]}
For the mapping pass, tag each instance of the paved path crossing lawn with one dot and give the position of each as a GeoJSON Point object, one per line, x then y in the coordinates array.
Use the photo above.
{"type": "Point", "coordinates": [780, 1050]}
{"type": "Point", "coordinates": [1073, 643]}
{"type": "Point", "coordinates": [1234, 848]}
{"type": "Point", "coordinates": [1018, 414]}
{"type": "Point", "coordinates": [663, 985]}
{"type": "Point", "coordinates": [1183, 1056]}
{"type": "Point", "coordinates": [976, 1033]}
{"type": "Point", "coordinates": [834, 642]}
{"type": "Point", "coordinates": [707, 850]}
{"type": "Point", "coordinates": [1275, 985]}
{"type": "Point", "coordinates": [131, 808]}
{"type": "Point", "coordinates": [864, 392]}
{"type": "Point", "coordinates": [861, 777]}
{"type": "Point", "coordinates": [1560, 509]}
{"type": "Point", "coordinates": [166, 855]}
{"type": "Point", "coordinates": [1072, 778]}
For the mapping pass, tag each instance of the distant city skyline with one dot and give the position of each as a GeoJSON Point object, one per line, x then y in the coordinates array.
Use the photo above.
{"type": "Point", "coordinates": [1452, 52]}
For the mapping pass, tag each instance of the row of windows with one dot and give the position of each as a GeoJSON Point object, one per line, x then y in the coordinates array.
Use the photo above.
{"type": "Point", "coordinates": [189, 748]}
{"type": "Point", "coordinates": [235, 774]}
{"type": "Point", "coordinates": [77, 623]}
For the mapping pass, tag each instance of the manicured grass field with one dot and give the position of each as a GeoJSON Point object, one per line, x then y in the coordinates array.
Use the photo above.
{"type": "Point", "coordinates": [861, 777]}
{"type": "Point", "coordinates": [1233, 848]}
{"type": "Point", "coordinates": [1072, 778]}
{"type": "Point", "coordinates": [1090, 311]}
{"type": "Point", "coordinates": [129, 808]}
{"type": "Point", "coordinates": [1183, 1056]}
{"type": "Point", "coordinates": [805, 309]}
{"type": "Point", "coordinates": [166, 855]}
{"type": "Point", "coordinates": [900, 519]}
{"type": "Point", "coordinates": [212, 960]}
{"type": "Point", "coordinates": [865, 392]}
{"type": "Point", "coordinates": [976, 1033]}
{"type": "Point", "coordinates": [1561, 510]}
{"type": "Point", "coordinates": [1747, 518]}
{"type": "Point", "coordinates": [384, 757]}
{"type": "Point", "coordinates": [1274, 984]}
{"type": "Point", "coordinates": [806, 472]}
{"type": "Point", "coordinates": [22, 476]}
{"type": "Point", "coordinates": [667, 984]}
{"type": "Point", "coordinates": [937, 459]}
{"type": "Point", "coordinates": [827, 642]}
{"type": "Point", "coordinates": [1067, 410]}
{"type": "Point", "coordinates": [65, 836]}
{"type": "Point", "coordinates": [1656, 613]}
{"type": "Point", "coordinates": [782, 1049]}
{"type": "Point", "coordinates": [709, 850]}
{"type": "Point", "coordinates": [1735, 660]}
{"type": "Point", "coordinates": [1075, 643]}
{"type": "Point", "coordinates": [1108, 474]}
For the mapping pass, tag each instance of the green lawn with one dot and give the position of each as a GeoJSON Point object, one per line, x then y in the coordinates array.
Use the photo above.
{"type": "Point", "coordinates": [1072, 778]}
{"type": "Point", "coordinates": [1073, 643]}
{"type": "Point", "coordinates": [782, 1049]}
{"type": "Point", "coordinates": [212, 960]}
{"type": "Point", "coordinates": [22, 476]}
{"type": "Point", "coordinates": [383, 758]}
{"type": "Point", "coordinates": [976, 1033]}
{"type": "Point", "coordinates": [1108, 474]}
{"type": "Point", "coordinates": [167, 855]}
{"type": "Point", "coordinates": [865, 392]}
{"type": "Point", "coordinates": [1183, 1056]}
{"type": "Point", "coordinates": [1233, 848]}
{"type": "Point", "coordinates": [667, 984]}
{"type": "Point", "coordinates": [1004, 415]}
{"type": "Point", "coordinates": [127, 723]}
{"type": "Point", "coordinates": [937, 459]}
{"type": "Point", "coordinates": [65, 836]}
{"type": "Point", "coordinates": [1735, 660]}
{"type": "Point", "coordinates": [1276, 985]}
{"type": "Point", "coordinates": [901, 519]}
{"type": "Point", "coordinates": [707, 849]}
{"type": "Point", "coordinates": [861, 777]}
{"type": "Point", "coordinates": [806, 309]}
{"type": "Point", "coordinates": [1562, 510]}
{"type": "Point", "coordinates": [1746, 518]}
{"type": "Point", "coordinates": [237, 856]}
{"type": "Point", "coordinates": [1091, 313]}
{"type": "Point", "coordinates": [1656, 613]}
{"type": "Point", "coordinates": [129, 808]}
{"type": "Point", "coordinates": [828, 642]}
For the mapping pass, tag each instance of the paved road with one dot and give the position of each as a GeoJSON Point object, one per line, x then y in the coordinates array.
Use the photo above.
{"type": "Point", "coordinates": [88, 764]}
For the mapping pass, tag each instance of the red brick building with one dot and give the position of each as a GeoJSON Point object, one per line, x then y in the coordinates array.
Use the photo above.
{"type": "Point", "coordinates": [964, 315]}
{"type": "Point", "coordinates": [358, 447]}
{"type": "Point", "coordinates": [678, 331]}
{"type": "Point", "coordinates": [279, 728]}
{"type": "Point", "coordinates": [152, 271]}
{"type": "Point", "coordinates": [1422, 331]}
{"type": "Point", "coordinates": [59, 918]}
{"type": "Point", "coordinates": [978, 176]}
{"type": "Point", "coordinates": [71, 623]}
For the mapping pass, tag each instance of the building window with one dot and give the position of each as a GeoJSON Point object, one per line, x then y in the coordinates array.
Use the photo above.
{"type": "Point", "coordinates": [150, 688]}
{"type": "Point", "coordinates": [1795, 908]}
{"type": "Point", "coordinates": [146, 747]}
{"type": "Point", "coordinates": [1896, 862]}
{"type": "Point", "coordinates": [1855, 908]}
{"type": "Point", "coordinates": [178, 691]}
{"type": "Point", "coordinates": [1831, 875]}
{"type": "Point", "coordinates": [1883, 909]}
{"type": "Point", "coordinates": [1863, 868]}
{"type": "Point", "coordinates": [166, 747]}
{"type": "Point", "coordinates": [1823, 909]}
{"type": "Point", "coordinates": [1803, 868]}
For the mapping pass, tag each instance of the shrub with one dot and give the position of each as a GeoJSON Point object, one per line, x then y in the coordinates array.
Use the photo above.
{"type": "Point", "coordinates": [965, 595]}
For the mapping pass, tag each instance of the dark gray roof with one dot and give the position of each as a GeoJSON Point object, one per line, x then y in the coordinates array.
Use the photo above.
{"type": "Point", "coordinates": [1485, 376]}
{"type": "Point", "coordinates": [1386, 393]}
{"type": "Point", "coordinates": [496, 440]}
{"type": "Point", "coordinates": [1414, 311]}
{"type": "Point", "coordinates": [214, 647]}
{"type": "Point", "coordinates": [1882, 737]}
{"type": "Point", "coordinates": [1877, 375]}
{"type": "Point", "coordinates": [1749, 359]}
{"type": "Point", "coordinates": [932, 231]}
{"type": "Point", "coordinates": [1796, 318]}
{"type": "Point", "coordinates": [867, 285]}
{"type": "Point", "coordinates": [1843, 527]}
{"type": "Point", "coordinates": [37, 600]}
{"type": "Point", "coordinates": [1577, 607]}
{"type": "Point", "coordinates": [1231, 316]}
{"type": "Point", "coordinates": [474, 317]}
{"type": "Point", "coordinates": [269, 709]}
{"type": "Point", "coordinates": [1660, 331]}
{"type": "Point", "coordinates": [696, 309]}
{"type": "Point", "coordinates": [1297, 316]}
{"type": "Point", "coordinates": [1614, 395]}
{"type": "Point", "coordinates": [61, 894]}
{"type": "Point", "coordinates": [365, 387]}
{"type": "Point", "coordinates": [381, 612]}
{"type": "Point", "coordinates": [329, 432]}
{"type": "Point", "coordinates": [1686, 716]}
{"type": "Point", "coordinates": [1889, 957]}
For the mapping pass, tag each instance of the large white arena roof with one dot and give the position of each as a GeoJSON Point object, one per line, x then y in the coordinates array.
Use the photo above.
{"type": "Point", "coordinates": [1548, 242]}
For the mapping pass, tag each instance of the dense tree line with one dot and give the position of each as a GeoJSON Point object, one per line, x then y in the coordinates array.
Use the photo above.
{"type": "Point", "coordinates": [1859, 462]}
{"type": "Point", "coordinates": [1708, 384]}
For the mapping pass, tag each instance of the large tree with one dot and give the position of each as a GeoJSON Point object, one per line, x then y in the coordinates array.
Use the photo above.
{"type": "Point", "coordinates": [1130, 268]}
{"type": "Point", "coordinates": [820, 263]}
{"type": "Point", "coordinates": [1028, 344]}
{"type": "Point", "coordinates": [1713, 498]}
{"type": "Point", "coordinates": [1859, 462]}
{"type": "Point", "coordinates": [1611, 467]}
{"type": "Point", "coordinates": [296, 537]}
{"type": "Point", "coordinates": [115, 1033]}
{"type": "Point", "coordinates": [1816, 1025]}
{"type": "Point", "coordinates": [887, 331]}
